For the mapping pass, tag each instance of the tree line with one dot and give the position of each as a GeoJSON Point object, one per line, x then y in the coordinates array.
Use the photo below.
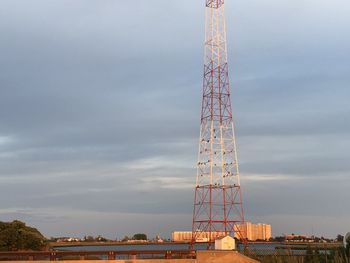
{"type": "Point", "coordinates": [16, 235]}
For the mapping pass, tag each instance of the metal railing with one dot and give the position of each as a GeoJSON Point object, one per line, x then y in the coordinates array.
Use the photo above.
{"type": "Point", "coordinates": [97, 255]}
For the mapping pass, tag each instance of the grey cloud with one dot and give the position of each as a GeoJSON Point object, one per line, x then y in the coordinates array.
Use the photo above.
{"type": "Point", "coordinates": [91, 89]}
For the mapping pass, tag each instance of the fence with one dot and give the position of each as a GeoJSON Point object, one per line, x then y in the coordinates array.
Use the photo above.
{"type": "Point", "coordinates": [264, 252]}
{"type": "Point", "coordinates": [96, 255]}
{"type": "Point", "coordinates": [295, 253]}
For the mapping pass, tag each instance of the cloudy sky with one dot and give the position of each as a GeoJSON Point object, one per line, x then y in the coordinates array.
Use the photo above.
{"type": "Point", "coordinates": [100, 104]}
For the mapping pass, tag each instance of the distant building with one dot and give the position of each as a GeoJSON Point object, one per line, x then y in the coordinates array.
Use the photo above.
{"type": "Point", "coordinates": [254, 231]}
{"type": "Point", "coordinates": [136, 241]}
{"type": "Point", "coordinates": [296, 237]}
{"type": "Point", "coordinates": [67, 239]}
{"type": "Point", "coordinates": [186, 236]}
{"type": "Point", "coordinates": [301, 238]}
{"type": "Point", "coordinates": [181, 236]}
{"type": "Point", "coordinates": [158, 239]}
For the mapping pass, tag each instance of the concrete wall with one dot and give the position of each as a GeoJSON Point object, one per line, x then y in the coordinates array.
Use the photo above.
{"type": "Point", "coordinates": [213, 256]}
{"type": "Point", "coordinates": [113, 261]}
{"type": "Point", "coordinates": [209, 256]}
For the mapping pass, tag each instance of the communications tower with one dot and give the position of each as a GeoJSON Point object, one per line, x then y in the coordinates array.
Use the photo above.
{"type": "Point", "coordinates": [218, 208]}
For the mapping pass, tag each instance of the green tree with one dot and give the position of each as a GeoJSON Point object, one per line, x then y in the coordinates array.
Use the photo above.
{"type": "Point", "coordinates": [101, 239]}
{"type": "Point", "coordinates": [347, 247]}
{"type": "Point", "coordinates": [340, 238]}
{"type": "Point", "coordinates": [89, 239]}
{"type": "Point", "coordinates": [279, 239]}
{"type": "Point", "coordinates": [140, 236]}
{"type": "Point", "coordinates": [125, 238]}
{"type": "Point", "coordinates": [309, 254]}
{"type": "Point", "coordinates": [17, 236]}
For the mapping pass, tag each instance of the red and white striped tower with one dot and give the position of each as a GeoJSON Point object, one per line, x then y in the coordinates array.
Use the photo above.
{"type": "Point", "coordinates": [218, 199]}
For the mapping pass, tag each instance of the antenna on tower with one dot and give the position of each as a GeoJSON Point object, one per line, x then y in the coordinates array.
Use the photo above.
{"type": "Point", "coordinates": [218, 208]}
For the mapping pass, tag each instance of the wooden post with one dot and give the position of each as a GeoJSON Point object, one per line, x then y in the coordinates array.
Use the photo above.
{"type": "Point", "coordinates": [53, 256]}
{"type": "Point", "coordinates": [111, 255]}
{"type": "Point", "coordinates": [168, 254]}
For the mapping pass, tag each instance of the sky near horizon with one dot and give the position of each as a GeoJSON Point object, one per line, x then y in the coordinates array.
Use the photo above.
{"type": "Point", "coordinates": [100, 104]}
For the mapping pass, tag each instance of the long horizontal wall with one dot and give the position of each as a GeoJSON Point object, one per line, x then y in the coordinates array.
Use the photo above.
{"type": "Point", "coordinates": [115, 261]}
{"type": "Point", "coordinates": [210, 256]}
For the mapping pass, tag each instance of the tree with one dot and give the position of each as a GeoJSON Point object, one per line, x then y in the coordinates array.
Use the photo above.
{"type": "Point", "coordinates": [140, 236]}
{"type": "Point", "coordinates": [125, 238]}
{"type": "Point", "coordinates": [17, 236]}
{"type": "Point", "coordinates": [340, 238]}
{"type": "Point", "coordinates": [347, 247]}
{"type": "Point", "coordinates": [89, 239]}
{"type": "Point", "coordinates": [278, 239]}
{"type": "Point", "coordinates": [101, 239]}
{"type": "Point", "coordinates": [309, 254]}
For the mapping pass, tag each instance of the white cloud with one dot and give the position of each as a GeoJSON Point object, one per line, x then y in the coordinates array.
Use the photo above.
{"type": "Point", "coordinates": [6, 140]}
{"type": "Point", "coordinates": [94, 116]}
{"type": "Point", "coordinates": [156, 162]}
{"type": "Point", "coordinates": [269, 177]}
{"type": "Point", "coordinates": [176, 183]}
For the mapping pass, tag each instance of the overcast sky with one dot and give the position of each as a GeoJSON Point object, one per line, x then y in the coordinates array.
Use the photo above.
{"type": "Point", "coordinates": [100, 104]}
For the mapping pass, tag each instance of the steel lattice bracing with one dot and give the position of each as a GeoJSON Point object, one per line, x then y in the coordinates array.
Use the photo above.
{"type": "Point", "coordinates": [218, 199]}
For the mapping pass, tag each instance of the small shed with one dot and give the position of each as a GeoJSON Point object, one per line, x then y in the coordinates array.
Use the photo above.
{"type": "Point", "coordinates": [225, 243]}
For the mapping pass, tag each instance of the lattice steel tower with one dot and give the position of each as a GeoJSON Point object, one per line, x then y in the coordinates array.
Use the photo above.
{"type": "Point", "coordinates": [218, 205]}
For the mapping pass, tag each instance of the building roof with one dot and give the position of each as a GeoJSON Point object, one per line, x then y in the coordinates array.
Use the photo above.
{"type": "Point", "coordinates": [220, 238]}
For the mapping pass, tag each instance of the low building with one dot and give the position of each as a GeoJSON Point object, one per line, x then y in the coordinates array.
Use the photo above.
{"type": "Point", "coordinates": [67, 239]}
{"type": "Point", "coordinates": [225, 243]}
{"type": "Point", "coordinates": [295, 237]}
